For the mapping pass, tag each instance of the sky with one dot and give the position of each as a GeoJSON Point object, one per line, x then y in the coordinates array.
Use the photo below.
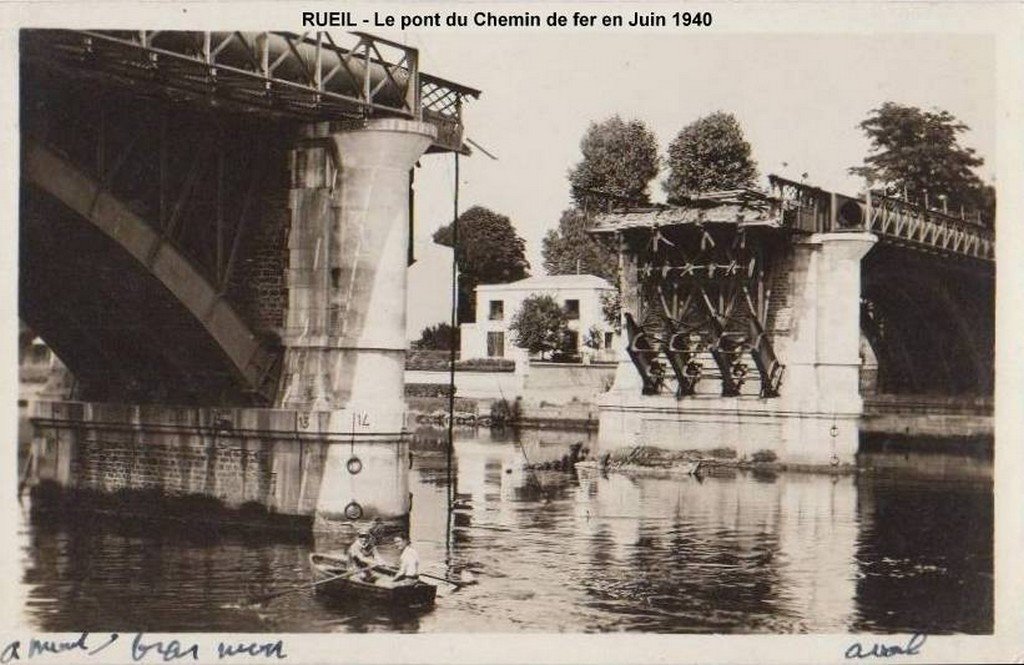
{"type": "Point", "coordinates": [798, 98]}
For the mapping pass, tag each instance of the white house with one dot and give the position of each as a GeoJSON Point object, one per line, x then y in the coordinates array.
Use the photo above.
{"type": "Point", "coordinates": [497, 304]}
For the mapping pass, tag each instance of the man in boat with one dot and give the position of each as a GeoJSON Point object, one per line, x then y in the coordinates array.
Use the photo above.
{"type": "Point", "coordinates": [408, 562]}
{"type": "Point", "coordinates": [363, 555]}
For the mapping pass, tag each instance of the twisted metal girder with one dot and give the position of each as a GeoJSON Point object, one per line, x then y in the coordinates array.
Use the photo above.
{"type": "Point", "coordinates": [703, 288]}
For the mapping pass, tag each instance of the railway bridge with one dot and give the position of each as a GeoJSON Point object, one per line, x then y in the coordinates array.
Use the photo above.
{"type": "Point", "coordinates": [798, 320]}
{"type": "Point", "coordinates": [214, 235]}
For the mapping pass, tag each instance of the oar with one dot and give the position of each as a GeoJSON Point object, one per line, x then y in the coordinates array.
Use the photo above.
{"type": "Point", "coordinates": [457, 585]}
{"type": "Point", "coordinates": [278, 594]}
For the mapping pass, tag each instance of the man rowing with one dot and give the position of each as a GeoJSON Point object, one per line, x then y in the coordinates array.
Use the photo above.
{"type": "Point", "coordinates": [363, 556]}
{"type": "Point", "coordinates": [408, 562]}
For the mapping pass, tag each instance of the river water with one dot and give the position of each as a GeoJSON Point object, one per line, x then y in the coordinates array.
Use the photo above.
{"type": "Point", "coordinates": [549, 551]}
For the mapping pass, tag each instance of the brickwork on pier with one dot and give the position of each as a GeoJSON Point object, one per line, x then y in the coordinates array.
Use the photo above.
{"type": "Point", "coordinates": [224, 469]}
{"type": "Point", "coordinates": [780, 306]}
{"type": "Point", "coordinates": [258, 286]}
{"type": "Point", "coordinates": [111, 449]}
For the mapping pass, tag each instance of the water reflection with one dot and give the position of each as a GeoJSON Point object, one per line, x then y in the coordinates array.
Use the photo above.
{"type": "Point", "coordinates": [735, 552]}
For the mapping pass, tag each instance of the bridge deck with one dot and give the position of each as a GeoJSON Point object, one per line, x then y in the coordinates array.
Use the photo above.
{"type": "Point", "coordinates": [803, 208]}
{"type": "Point", "coordinates": [309, 76]}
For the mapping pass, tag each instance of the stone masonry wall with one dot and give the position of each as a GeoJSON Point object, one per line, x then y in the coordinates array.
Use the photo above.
{"type": "Point", "coordinates": [258, 286]}
{"type": "Point", "coordinates": [111, 448]}
{"type": "Point", "coordinates": [224, 469]}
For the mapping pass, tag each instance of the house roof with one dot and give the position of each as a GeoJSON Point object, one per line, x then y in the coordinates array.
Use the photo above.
{"type": "Point", "coordinates": [552, 283]}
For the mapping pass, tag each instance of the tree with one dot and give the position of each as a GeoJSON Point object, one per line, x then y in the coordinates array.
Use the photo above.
{"type": "Point", "coordinates": [570, 249]}
{"type": "Point", "coordinates": [917, 154]}
{"type": "Point", "coordinates": [438, 337]}
{"type": "Point", "coordinates": [540, 325]}
{"type": "Point", "coordinates": [489, 252]}
{"type": "Point", "coordinates": [611, 308]}
{"type": "Point", "coordinates": [619, 160]}
{"type": "Point", "coordinates": [709, 154]}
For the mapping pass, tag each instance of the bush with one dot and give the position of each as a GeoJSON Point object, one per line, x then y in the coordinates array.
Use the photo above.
{"type": "Point", "coordinates": [722, 453]}
{"type": "Point", "coordinates": [441, 336]}
{"type": "Point", "coordinates": [566, 357]}
{"type": "Point", "coordinates": [764, 456]}
{"type": "Point", "coordinates": [429, 360]}
{"type": "Point", "coordinates": [428, 390]}
{"type": "Point", "coordinates": [506, 412]}
{"type": "Point", "coordinates": [438, 361]}
{"type": "Point", "coordinates": [486, 365]}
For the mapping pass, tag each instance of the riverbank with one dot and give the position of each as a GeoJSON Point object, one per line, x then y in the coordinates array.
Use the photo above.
{"type": "Point", "coordinates": [654, 462]}
{"type": "Point", "coordinates": [951, 458]}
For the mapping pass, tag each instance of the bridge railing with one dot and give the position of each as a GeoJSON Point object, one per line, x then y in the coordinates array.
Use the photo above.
{"type": "Point", "coordinates": [815, 210]}
{"type": "Point", "coordinates": [313, 75]}
{"type": "Point", "coordinates": [916, 225]}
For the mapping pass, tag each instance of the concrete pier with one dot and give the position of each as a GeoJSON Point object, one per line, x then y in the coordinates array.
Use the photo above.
{"type": "Point", "coordinates": [345, 333]}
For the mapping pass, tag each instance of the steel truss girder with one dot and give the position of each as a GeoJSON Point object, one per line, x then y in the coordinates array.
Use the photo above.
{"type": "Point", "coordinates": [196, 189]}
{"type": "Point", "coordinates": [895, 220]}
{"type": "Point", "coordinates": [703, 288]}
{"type": "Point", "coordinates": [309, 75]}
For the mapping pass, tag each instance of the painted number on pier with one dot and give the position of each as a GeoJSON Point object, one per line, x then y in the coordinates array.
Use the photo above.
{"type": "Point", "coordinates": [360, 419]}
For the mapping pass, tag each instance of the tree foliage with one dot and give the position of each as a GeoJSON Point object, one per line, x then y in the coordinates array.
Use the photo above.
{"type": "Point", "coordinates": [570, 249]}
{"type": "Point", "coordinates": [540, 325]}
{"type": "Point", "coordinates": [611, 308]}
{"type": "Point", "coordinates": [619, 160]}
{"type": "Point", "coordinates": [916, 152]}
{"type": "Point", "coordinates": [440, 337]}
{"type": "Point", "coordinates": [709, 154]}
{"type": "Point", "coordinates": [489, 252]}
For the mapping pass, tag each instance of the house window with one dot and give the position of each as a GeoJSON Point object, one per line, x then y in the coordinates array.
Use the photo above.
{"type": "Point", "coordinates": [572, 309]}
{"type": "Point", "coordinates": [495, 345]}
{"type": "Point", "coordinates": [609, 340]}
{"type": "Point", "coordinates": [497, 311]}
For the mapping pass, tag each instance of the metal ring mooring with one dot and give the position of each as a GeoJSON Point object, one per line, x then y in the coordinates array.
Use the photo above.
{"type": "Point", "coordinates": [353, 511]}
{"type": "Point", "coordinates": [354, 465]}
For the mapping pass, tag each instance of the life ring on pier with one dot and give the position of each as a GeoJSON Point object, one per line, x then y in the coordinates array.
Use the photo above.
{"type": "Point", "coordinates": [353, 511]}
{"type": "Point", "coordinates": [692, 370]}
{"type": "Point", "coordinates": [738, 371]}
{"type": "Point", "coordinates": [354, 465]}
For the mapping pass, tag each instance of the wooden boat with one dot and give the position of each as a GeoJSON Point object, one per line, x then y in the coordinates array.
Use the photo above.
{"type": "Point", "coordinates": [355, 587]}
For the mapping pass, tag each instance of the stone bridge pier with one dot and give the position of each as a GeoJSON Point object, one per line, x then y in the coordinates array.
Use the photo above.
{"type": "Point", "coordinates": [214, 240]}
{"type": "Point", "coordinates": [344, 338]}
{"type": "Point", "coordinates": [823, 349]}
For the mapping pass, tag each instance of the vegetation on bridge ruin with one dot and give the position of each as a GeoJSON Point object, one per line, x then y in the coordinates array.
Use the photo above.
{"type": "Point", "coordinates": [709, 154]}
{"type": "Point", "coordinates": [620, 158]}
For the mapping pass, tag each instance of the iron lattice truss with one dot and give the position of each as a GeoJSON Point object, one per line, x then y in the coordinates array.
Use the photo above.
{"type": "Point", "coordinates": [309, 76]}
{"type": "Point", "coordinates": [894, 220]}
{"type": "Point", "coordinates": [702, 291]}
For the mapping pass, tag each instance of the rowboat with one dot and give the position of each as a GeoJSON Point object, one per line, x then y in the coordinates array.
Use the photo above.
{"type": "Point", "coordinates": [354, 587]}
